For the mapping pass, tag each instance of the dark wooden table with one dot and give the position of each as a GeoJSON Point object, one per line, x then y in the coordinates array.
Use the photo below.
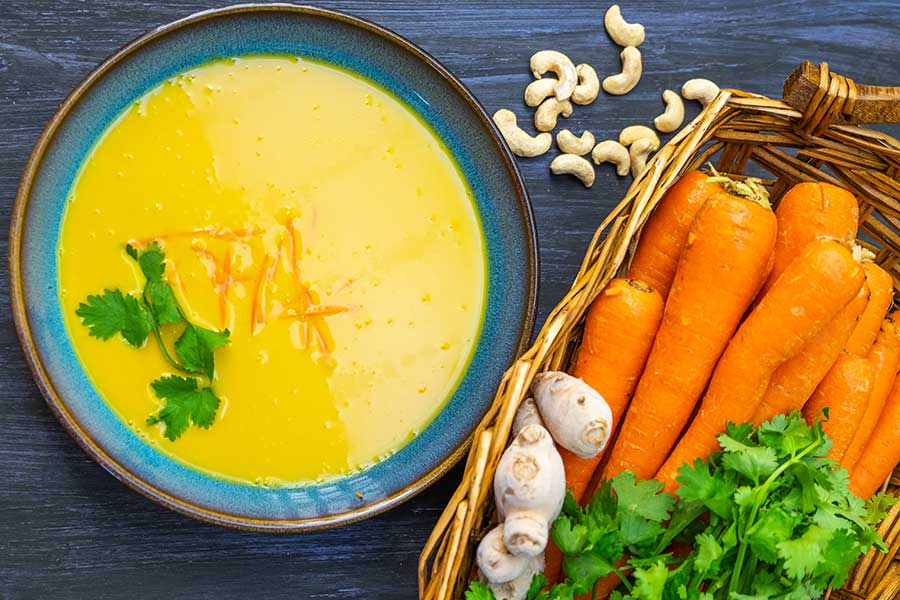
{"type": "Point", "coordinates": [69, 530]}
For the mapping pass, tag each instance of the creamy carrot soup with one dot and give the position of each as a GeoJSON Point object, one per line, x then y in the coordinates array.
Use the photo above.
{"type": "Point", "coordinates": [313, 216]}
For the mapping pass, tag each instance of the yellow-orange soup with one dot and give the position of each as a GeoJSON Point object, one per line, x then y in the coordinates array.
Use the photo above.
{"type": "Point", "coordinates": [319, 220]}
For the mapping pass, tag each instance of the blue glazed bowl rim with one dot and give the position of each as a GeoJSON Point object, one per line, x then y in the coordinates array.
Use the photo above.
{"type": "Point", "coordinates": [43, 379]}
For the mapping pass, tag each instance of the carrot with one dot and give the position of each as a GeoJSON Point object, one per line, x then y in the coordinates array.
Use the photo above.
{"type": "Point", "coordinates": [618, 334]}
{"type": "Point", "coordinates": [810, 292]}
{"type": "Point", "coordinates": [881, 294]}
{"type": "Point", "coordinates": [882, 452]}
{"type": "Point", "coordinates": [807, 212]}
{"type": "Point", "coordinates": [794, 382]}
{"type": "Point", "coordinates": [725, 260]}
{"type": "Point", "coordinates": [885, 359]}
{"type": "Point", "coordinates": [665, 233]}
{"type": "Point", "coordinates": [845, 392]}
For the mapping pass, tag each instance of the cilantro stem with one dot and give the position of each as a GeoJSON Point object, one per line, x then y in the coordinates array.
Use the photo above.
{"type": "Point", "coordinates": [165, 351]}
{"type": "Point", "coordinates": [736, 578]}
{"type": "Point", "coordinates": [623, 579]}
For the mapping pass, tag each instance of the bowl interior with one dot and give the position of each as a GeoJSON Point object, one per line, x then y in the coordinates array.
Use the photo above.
{"type": "Point", "coordinates": [357, 46]}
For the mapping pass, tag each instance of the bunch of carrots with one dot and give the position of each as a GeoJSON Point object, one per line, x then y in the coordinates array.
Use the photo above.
{"type": "Point", "coordinates": [731, 311]}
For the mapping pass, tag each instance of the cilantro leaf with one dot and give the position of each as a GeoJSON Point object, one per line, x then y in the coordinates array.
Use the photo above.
{"type": "Point", "coordinates": [152, 262]}
{"type": "Point", "coordinates": [589, 566]}
{"type": "Point", "coordinates": [115, 312]}
{"type": "Point", "coordinates": [878, 506]}
{"type": "Point", "coordinates": [163, 302]}
{"type": "Point", "coordinates": [195, 348]}
{"type": "Point", "coordinates": [698, 484]}
{"type": "Point", "coordinates": [787, 434]}
{"type": "Point", "coordinates": [186, 403]}
{"type": "Point", "coordinates": [838, 557]}
{"type": "Point", "coordinates": [802, 555]}
{"type": "Point", "coordinates": [642, 498]}
{"type": "Point", "coordinates": [534, 589]}
{"type": "Point", "coordinates": [708, 553]}
{"type": "Point", "coordinates": [774, 527]}
{"type": "Point", "coordinates": [479, 591]}
{"type": "Point", "coordinates": [568, 536]}
{"type": "Point", "coordinates": [650, 582]}
{"type": "Point", "coordinates": [753, 462]}
{"type": "Point", "coordinates": [638, 533]}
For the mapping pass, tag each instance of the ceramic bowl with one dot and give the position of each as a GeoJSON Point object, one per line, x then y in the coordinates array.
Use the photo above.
{"type": "Point", "coordinates": [356, 45]}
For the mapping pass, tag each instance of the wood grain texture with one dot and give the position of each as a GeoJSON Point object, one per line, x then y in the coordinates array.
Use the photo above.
{"type": "Point", "coordinates": [69, 530]}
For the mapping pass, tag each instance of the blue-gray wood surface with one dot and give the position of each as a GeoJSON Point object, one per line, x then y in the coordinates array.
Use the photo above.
{"type": "Point", "coordinates": [70, 530]}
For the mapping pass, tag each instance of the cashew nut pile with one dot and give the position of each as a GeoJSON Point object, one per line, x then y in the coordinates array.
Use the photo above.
{"type": "Point", "coordinates": [560, 85]}
{"type": "Point", "coordinates": [530, 484]}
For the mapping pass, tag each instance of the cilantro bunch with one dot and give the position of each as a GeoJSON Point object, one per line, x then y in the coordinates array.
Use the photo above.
{"type": "Point", "coordinates": [770, 517]}
{"type": "Point", "coordinates": [187, 399]}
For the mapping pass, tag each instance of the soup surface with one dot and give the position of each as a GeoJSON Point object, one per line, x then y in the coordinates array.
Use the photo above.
{"type": "Point", "coordinates": [314, 216]}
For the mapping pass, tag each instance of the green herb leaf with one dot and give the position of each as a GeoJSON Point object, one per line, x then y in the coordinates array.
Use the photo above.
{"type": "Point", "coordinates": [650, 582]}
{"type": "Point", "coordinates": [774, 527]}
{"type": "Point", "coordinates": [642, 498]}
{"type": "Point", "coordinates": [479, 591]}
{"type": "Point", "coordinates": [151, 261]}
{"type": "Point", "coordinates": [534, 589]}
{"type": "Point", "coordinates": [753, 462]}
{"type": "Point", "coordinates": [569, 537]}
{"type": "Point", "coordinates": [802, 555]}
{"type": "Point", "coordinates": [698, 484]}
{"type": "Point", "coordinates": [114, 312]}
{"type": "Point", "coordinates": [195, 348]}
{"type": "Point", "coordinates": [186, 403]}
{"type": "Point", "coordinates": [708, 553]}
{"type": "Point", "coordinates": [163, 302]}
{"type": "Point", "coordinates": [878, 506]}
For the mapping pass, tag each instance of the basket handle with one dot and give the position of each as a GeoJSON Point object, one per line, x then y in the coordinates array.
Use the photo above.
{"type": "Point", "coordinates": [824, 97]}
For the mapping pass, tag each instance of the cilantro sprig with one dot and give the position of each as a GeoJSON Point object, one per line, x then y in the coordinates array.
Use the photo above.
{"type": "Point", "coordinates": [769, 516]}
{"type": "Point", "coordinates": [187, 399]}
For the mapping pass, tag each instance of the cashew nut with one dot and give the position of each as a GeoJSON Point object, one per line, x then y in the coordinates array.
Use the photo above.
{"type": "Point", "coordinates": [559, 63]}
{"type": "Point", "coordinates": [621, 32]}
{"type": "Point", "coordinates": [546, 114]}
{"type": "Point", "coordinates": [569, 143]}
{"type": "Point", "coordinates": [632, 133]}
{"type": "Point", "coordinates": [625, 81]}
{"type": "Point", "coordinates": [572, 164]}
{"type": "Point", "coordinates": [588, 85]}
{"type": "Point", "coordinates": [540, 89]}
{"type": "Point", "coordinates": [639, 152]}
{"type": "Point", "coordinates": [519, 141]}
{"type": "Point", "coordinates": [702, 90]}
{"type": "Point", "coordinates": [673, 116]}
{"type": "Point", "coordinates": [613, 152]}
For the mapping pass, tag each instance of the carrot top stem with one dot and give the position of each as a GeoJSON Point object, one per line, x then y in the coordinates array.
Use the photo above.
{"type": "Point", "coordinates": [751, 188]}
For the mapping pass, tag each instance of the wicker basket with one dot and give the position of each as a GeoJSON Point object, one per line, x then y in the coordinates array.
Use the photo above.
{"type": "Point", "coordinates": [807, 137]}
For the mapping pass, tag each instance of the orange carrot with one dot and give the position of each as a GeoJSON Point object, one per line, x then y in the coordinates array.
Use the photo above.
{"type": "Point", "coordinates": [882, 452]}
{"type": "Point", "coordinates": [881, 294]}
{"type": "Point", "coordinates": [885, 358]}
{"type": "Point", "coordinates": [666, 232]}
{"type": "Point", "coordinates": [725, 260]}
{"type": "Point", "coordinates": [794, 382]}
{"type": "Point", "coordinates": [810, 292]}
{"type": "Point", "coordinates": [845, 392]}
{"type": "Point", "coordinates": [618, 334]}
{"type": "Point", "coordinates": [807, 212]}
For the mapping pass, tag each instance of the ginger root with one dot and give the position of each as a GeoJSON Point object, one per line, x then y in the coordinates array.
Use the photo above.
{"type": "Point", "coordinates": [495, 562]}
{"type": "Point", "coordinates": [517, 589]}
{"type": "Point", "coordinates": [576, 414]}
{"type": "Point", "coordinates": [529, 488]}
